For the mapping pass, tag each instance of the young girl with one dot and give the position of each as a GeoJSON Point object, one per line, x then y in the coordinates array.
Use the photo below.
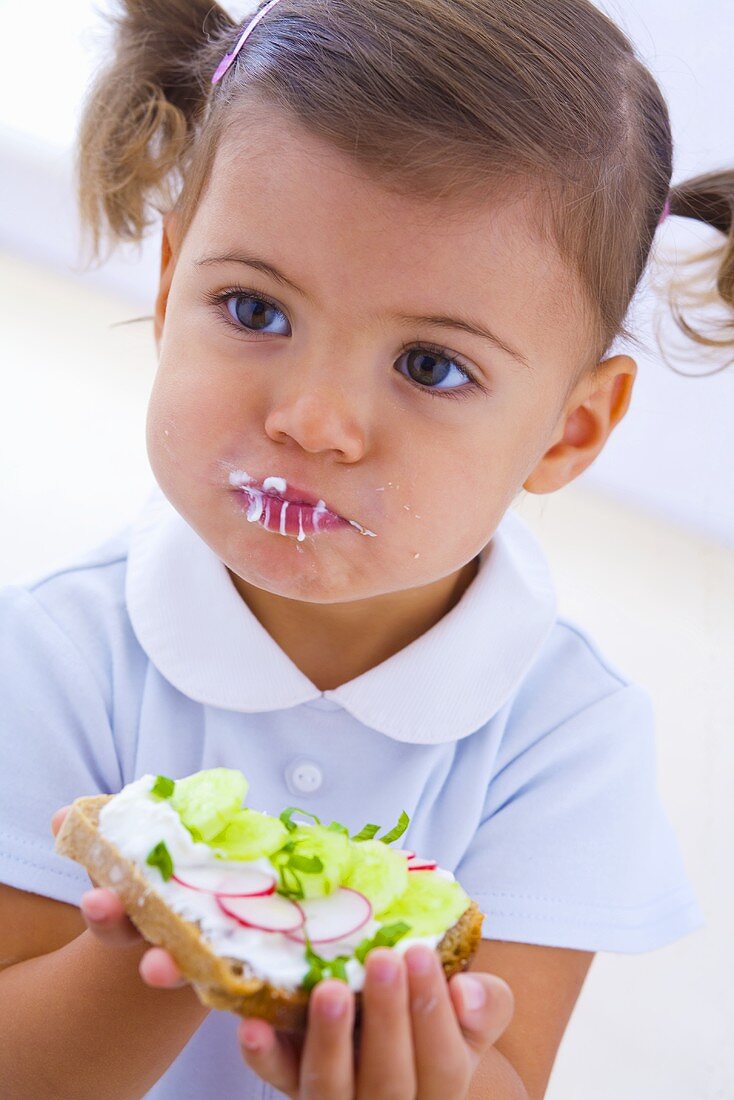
{"type": "Point", "coordinates": [399, 239]}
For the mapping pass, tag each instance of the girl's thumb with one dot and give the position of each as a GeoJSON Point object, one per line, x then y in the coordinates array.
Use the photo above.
{"type": "Point", "coordinates": [484, 1006]}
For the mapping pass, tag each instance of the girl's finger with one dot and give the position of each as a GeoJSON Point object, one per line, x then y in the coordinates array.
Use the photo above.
{"type": "Point", "coordinates": [106, 918]}
{"type": "Point", "coordinates": [58, 819]}
{"type": "Point", "coordinates": [158, 969]}
{"type": "Point", "coordinates": [385, 1061]}
{"type": "Point", "coordinates": [271, 1055]}
{"type": "Point", "coordinates": [444, 1065]}
{"type": "Point", "coordinates": [327, 1064]}
{"type": "Point", "coordinates": [482, 1024]}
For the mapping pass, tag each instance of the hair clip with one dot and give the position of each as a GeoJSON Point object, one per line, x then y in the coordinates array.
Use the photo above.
{"type": "Point", "coordinates": [228, 58]}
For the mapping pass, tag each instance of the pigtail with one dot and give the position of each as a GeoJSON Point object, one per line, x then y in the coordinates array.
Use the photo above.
{"type": "Point", "coordinates": [141, 111]}
{"type": "Point", "coordinates": [708, 198]}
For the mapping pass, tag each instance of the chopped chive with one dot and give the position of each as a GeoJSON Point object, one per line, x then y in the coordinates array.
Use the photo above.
{"type": "Point", "coordinates": [312, 977]}
{"type": "Point", "coordinates": [402, 825]}
{"type": "Point", "coordinates": [160, 857]}
{"type": "Point", "coordinates": [163, 787]}
{"type": "Point", "coordinates": [288, 812]}
{"type": "Point", "coordinates": [386, 936]}
{"type": "Point", "coordinates": [306, 863]}
{"type": "Point", "coordinates": [389, 934]}
{"type": "Point", "coordinates": [338, 969]}
{"type": "Point", "coordinates": [367, 832]}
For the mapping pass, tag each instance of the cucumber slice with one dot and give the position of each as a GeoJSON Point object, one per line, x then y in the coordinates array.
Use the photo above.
{"type": "Point", "coordinates": [332, 848]}
{"type": "Point", "coordinates": [430, 904]}
{"type": "Point", "coordinates": [206, 800]}
{"type": "Point", "coordinates": [378, 871]}
{"type": "Point", "coordinates": [249, 835]}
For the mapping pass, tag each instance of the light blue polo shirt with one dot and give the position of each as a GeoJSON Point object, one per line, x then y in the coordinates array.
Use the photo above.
{"type": "Point", "coordinates": [524, 758]}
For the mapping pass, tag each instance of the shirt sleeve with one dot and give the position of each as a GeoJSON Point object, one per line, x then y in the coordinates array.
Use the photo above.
{"type": "Point", "coordinates": [56, 744]}
{"type": "Point", "coordinates": [574, 848]}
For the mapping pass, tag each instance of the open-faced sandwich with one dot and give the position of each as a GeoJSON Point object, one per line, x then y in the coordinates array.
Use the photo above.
{"type": "Point", "coordinates": [257, 909]}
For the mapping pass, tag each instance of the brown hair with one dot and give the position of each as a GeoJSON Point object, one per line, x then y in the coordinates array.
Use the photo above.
{"type": "Point", "coordinates": [433, 97]}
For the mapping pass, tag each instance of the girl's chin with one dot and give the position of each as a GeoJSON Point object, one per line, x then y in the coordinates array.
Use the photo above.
{"type": "Point", "coordinates": [315, 569]}
{"type": "Point", "coordinates": [304, 588]}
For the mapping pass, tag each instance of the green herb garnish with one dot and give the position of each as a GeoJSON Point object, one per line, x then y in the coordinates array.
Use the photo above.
{"type": "Point", "coordinates": [386, 936]}
{"type": "Point", "coordinates": [290, 884]}
{"type": "Point", "coordinates": [402, 825]}
{"type": "Point", "coordinates": [163, 787]}
{"type": "Point", "coordinates": [160, 857]}
{"type": "Point", "coordinates": [369, 831]}
{"type": "Point", "coordinates": [288, 812]}
{"type": "Point", "coordinates": [366, 833]}
{"type": "Point", "coordinates": [320, 968]}
{"type": "Point", "coordinates": [323, 968]}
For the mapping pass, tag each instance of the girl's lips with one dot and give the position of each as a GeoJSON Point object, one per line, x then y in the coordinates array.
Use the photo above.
{"type": "Point", "coordinates": [294, 495]}
{"type": "Point", "coordinates": [288, 510]}
{"type": "Point", "coordinates": [293, 518]}
{"type": "Point", "coordinates": [277, 487]}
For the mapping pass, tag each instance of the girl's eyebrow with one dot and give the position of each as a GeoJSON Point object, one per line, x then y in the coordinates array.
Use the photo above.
{"type": "Point", "coordinates": [464, 324]}
{"type": "Point", "coordinates": [252, 261]}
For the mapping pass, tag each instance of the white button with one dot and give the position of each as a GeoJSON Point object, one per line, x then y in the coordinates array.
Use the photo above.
{"type": "Point", "coordinates": [303, 776]}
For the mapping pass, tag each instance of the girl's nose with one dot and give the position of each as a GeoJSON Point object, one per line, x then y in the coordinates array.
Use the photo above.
{"type": "Point", "coordinates": [320, 418]}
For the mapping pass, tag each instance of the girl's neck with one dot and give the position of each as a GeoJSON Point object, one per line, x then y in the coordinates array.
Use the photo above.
{"type": "Point", "coordinates": [334, 643]}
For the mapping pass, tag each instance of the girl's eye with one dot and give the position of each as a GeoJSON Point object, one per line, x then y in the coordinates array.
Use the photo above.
{"type": "Point", "coordinates": [428, 366]}
{"type": "Point", "coordinates": [251, 312]}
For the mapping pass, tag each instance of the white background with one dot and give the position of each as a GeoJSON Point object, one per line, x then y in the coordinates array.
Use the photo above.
{"type": "Point", "coordinates": [642, 545]}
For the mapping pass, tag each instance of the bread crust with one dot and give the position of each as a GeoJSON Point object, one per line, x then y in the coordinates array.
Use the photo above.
{"type": "Point", "coordinates": [219, 982]}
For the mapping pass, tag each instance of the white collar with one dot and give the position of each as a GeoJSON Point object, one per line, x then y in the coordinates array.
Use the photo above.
{"type": "Point", "coordinates": [205, 640]}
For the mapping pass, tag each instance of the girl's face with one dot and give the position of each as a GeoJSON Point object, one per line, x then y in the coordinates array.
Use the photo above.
{"type": "Point", "coordinates": [332, 376]}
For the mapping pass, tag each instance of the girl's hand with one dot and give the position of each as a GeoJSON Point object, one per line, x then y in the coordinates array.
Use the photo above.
{"type": "Point", "coordinates": [420, 1039]}
{"type": "Point", "coordinates": [106, 919]}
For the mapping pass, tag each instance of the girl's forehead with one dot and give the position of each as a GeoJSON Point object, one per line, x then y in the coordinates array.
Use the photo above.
{"type": "Point", "coordinates": [310, 210]}
{"type": "Point", "coordinates": [284, 167]}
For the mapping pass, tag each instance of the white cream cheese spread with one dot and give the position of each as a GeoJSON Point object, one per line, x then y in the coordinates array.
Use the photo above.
{"type": "Point", "coordinates": [135, 822]}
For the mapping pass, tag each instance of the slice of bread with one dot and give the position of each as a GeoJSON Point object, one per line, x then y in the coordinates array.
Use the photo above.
{"type": "Point", "coordinates": [219, 982]}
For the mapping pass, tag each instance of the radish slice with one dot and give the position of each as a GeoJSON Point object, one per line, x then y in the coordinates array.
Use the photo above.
{"type": "Point", "coordinates": [422, 864]}
{"type": "Point", "coordinates": [406, 852]}
{"type": "Point", "coordinates": [248, 882]}
{"type": "Point", "coordinates": [332, 917]}
{"type": "Point", "coordinates": [273, 913]}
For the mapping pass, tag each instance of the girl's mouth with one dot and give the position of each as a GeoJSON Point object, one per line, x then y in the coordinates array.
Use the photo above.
{"type": "Point", "coordinates": [285, 516]}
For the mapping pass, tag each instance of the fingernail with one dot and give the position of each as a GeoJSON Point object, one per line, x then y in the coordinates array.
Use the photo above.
{"type": "Point", "coordinates": [250, 1038]}
{"type": "Point", "coordinates": [419, 960]}
{"type": "Point", "coordinates": [333, 1006]}
{"type": "Point", "coordinates": [93, 908]}
{"type": "Point", "coordinates": [472, 994]}
{"type": "Point", "coordinates": [384, 969]}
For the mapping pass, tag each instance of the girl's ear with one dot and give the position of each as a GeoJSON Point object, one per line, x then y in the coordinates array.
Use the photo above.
{"type": "Point", "coordinates": [585, 425]}
{"type": "Point", "coordinates": [169, 242]}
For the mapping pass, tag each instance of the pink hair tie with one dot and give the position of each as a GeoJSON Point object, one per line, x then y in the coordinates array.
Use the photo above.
{"type": "Point", "coordinates": [666, 211]}
{"type": "Point", "coordinates": [228, 58]}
